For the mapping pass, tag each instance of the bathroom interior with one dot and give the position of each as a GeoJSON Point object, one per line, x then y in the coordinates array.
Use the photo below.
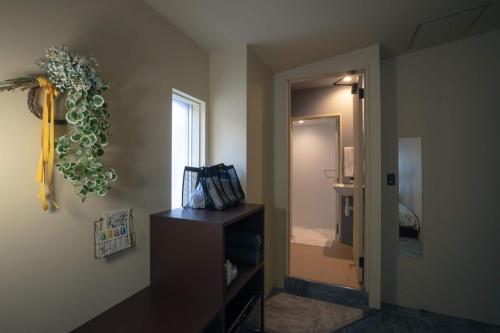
{"type": "Point", "coordinates": [326, 125]}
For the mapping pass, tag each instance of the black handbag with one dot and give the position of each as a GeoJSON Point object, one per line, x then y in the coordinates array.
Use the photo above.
{"type": "Point", "coordinates": [228, 173]}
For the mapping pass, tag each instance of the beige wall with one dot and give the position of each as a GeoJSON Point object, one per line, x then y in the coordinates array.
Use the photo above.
{"type": "Point", "coordinates": [227, 117]}
{"type": "Point", "coordinates": [259, 147]}
{"type": "Point", "coordinates": [50, 281]}
{"type": "Point", "coordinates": [240, 125]}
{"type": "Point", "coordinates": [368, 59]}
{"type": "Point", "coordinates": [447, 96]}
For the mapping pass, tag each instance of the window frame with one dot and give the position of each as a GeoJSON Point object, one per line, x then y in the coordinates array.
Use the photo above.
{"type": "Point", "coordinates": [196, 118]}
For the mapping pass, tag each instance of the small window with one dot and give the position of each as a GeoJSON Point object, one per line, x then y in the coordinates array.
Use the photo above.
{"type": "Point", "coordinates": [188, 139]}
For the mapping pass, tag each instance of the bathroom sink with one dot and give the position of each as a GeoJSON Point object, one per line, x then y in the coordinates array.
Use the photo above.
{"type": "Point", "coordinates": [344, 189]}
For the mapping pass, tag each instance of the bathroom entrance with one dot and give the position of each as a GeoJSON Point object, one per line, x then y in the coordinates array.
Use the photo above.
{"type": "Point", "coordinates": [326, 232]}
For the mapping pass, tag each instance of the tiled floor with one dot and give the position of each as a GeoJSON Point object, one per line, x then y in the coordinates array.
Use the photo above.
{"type": "Point", "coordinates": [326, 292]}
{"type": "Point", "coordinates": [391, 318]}
{"type": "Point", "coordinates": [397, 319]}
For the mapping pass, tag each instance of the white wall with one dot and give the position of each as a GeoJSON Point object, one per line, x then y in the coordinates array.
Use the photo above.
{"type": "Point", "coordinates": [227, 118]}
{"type": "Point", "coordinates": [331, 100]}
{"type": "Point", "coordinates": [240, 126]}
{"type": "Point", "coordinates": [367, 58]}
{"type": "Point", "coordinates": [314, 150]}
{"type": "Point", "coordinates": [259, 147]}
{"type": "Point", "coordinates": [50, 281]}
{"type": "Point", "coordinates": [448, 96]}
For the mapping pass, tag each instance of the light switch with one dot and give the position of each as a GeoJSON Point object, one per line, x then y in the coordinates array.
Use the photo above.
{"type": "Point", "coordinates": [391, 179]}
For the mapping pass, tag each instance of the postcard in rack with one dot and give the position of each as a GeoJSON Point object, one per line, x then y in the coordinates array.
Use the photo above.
{"type": "Point", "coordinates": [113, 232]}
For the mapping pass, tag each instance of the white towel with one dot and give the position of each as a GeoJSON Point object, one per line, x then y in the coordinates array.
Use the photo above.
{"type": "Point", "coordinates": [348, 161]}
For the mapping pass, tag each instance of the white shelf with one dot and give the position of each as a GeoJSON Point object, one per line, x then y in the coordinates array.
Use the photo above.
{"type": "Point", "coordinates": [344, 189]}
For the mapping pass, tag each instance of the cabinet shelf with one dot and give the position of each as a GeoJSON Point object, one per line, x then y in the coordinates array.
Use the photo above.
{"type": "Point", "coordinates": [241, 281]}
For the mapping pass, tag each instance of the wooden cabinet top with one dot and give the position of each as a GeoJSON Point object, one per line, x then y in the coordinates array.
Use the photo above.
{"type": "Point", "coordinates": [223, 217]}
{"type": "Point", "coordinates": [153, 310]}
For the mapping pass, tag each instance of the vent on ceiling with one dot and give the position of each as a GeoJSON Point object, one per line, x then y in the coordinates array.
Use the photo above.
{"type": "Point", "coordinates": [446, 28]}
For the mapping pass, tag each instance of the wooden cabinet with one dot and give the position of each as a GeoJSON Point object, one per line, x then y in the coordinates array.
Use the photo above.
{"type": "Point", "coordinates": [188, 251]}
{"type": "Point", "coordinates": [188, 292]}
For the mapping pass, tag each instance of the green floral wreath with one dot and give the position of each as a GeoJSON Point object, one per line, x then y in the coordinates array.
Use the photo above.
{"type": "Point", "coordinates": [80, 151]}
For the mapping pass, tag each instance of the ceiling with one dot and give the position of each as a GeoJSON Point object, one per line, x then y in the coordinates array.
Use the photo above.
{"type": "Point", "coordinates": [290, 33]}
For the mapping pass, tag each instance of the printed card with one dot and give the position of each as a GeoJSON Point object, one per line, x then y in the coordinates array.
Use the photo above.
{"type": "Point", "coordinates": [112, 233]}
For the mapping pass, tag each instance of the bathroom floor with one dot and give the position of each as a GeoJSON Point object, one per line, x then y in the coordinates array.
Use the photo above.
{"type": "Point", "coordinates": [332, 264]}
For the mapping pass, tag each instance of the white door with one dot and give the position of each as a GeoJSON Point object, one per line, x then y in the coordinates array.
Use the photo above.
{"type": "Point", "coordinates": [314, 171]}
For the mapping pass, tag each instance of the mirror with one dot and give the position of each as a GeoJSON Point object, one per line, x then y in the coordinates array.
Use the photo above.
{"type": "Point", "coordinates": [410, 197]}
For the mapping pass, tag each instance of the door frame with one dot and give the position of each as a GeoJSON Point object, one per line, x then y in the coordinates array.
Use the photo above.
{"type": "Point", "coordinates": [340, 170]}
{"type": "Point", "coordinates": [366, 60]}
{"type": "Point", "coordinates": [358, 115]}
{"type": "Point", "coordinates": [290, 118]}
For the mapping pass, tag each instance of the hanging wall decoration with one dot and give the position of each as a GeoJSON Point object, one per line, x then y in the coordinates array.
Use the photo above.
{"type": "Point", "coordinates": [80, 150]}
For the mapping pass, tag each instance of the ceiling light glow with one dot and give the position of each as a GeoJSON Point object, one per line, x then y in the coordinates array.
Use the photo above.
{"type": "Point", "coordinates": [348, 78]}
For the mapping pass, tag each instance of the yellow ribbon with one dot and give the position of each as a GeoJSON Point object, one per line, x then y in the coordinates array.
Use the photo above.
{"type": "Point", "coordinates": [46, 162]}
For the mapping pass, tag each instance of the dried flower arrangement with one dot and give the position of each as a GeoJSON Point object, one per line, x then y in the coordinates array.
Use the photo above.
{"type": "Point", "coordinates": [79, 151]}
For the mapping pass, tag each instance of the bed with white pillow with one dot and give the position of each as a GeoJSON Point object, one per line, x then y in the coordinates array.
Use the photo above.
{"type": "Point", "coordinates": [409, 224]}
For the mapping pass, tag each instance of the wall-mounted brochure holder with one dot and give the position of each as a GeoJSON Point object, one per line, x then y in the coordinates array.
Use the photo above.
{"type": "Point", "coordinates": [113, 233]}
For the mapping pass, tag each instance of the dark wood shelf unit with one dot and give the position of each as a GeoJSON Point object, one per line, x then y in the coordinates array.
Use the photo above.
{"type": "Point", "coordinates": [188, 251]}
{"type": "Point", "coordinates": [154, 311]}
{"type": "Point", "coordinates": [187, 293]}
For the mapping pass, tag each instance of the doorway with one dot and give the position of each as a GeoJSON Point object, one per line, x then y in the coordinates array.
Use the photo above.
{"type": "Point", "coordinates": [326, 231]}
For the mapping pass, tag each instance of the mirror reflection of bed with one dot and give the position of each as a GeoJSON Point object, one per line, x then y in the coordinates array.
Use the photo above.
{"type": "Point", "coordinates": [410, 197]}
